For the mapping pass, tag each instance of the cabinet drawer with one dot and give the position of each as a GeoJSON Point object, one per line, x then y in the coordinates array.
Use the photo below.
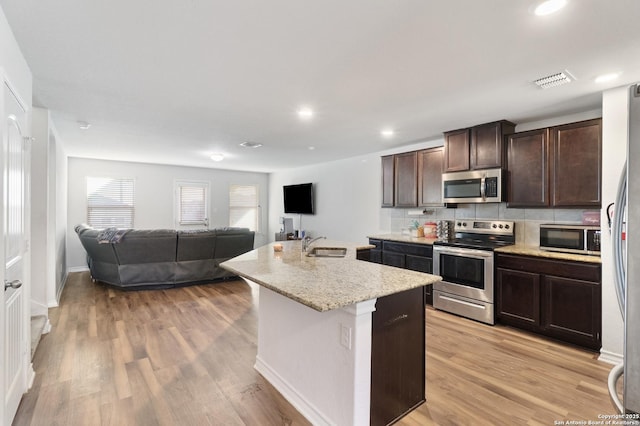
{"type": "Point", "coordinates": [559, 268]}
{"type": "Point", "coordinates": [377, 243]}
{"type": "Point", "coordinates": [414, 249]}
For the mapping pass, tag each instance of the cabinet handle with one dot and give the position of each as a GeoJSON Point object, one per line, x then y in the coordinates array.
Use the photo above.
{"type": "Point", "coordinates": [395, 320]}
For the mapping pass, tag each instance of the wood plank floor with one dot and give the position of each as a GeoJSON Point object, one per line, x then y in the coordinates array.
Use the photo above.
{"type": "Point", "coordinates": [185, 357]}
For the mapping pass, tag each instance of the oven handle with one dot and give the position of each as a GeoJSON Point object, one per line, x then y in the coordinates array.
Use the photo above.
{"type": "Point", "coordinates": [473, 305]}
{"type": "Point", "coordinates": [463, 252]}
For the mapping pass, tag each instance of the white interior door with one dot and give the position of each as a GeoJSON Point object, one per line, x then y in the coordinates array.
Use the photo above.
{"type": "Point", "coordinates": [15, 348]}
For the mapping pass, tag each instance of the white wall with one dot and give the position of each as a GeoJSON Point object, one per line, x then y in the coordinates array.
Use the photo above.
{"type": "Point", "coordinates": [614, 134]}
{"type": "Point", "coordinates": [154, 195]}
{"type": "Point", "coordinates": [347, 197]}
{"type": "Point", "coordinates": [58, 173]}
{"type": "Point", "coordinates": [40, 232]}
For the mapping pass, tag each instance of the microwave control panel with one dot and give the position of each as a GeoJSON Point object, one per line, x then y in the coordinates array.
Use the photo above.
{"type": "Point", "coordinates": [491, 187]}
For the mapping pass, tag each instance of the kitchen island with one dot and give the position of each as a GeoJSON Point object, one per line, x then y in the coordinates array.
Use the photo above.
{"type": "Point", "coordinates": [332, 332]}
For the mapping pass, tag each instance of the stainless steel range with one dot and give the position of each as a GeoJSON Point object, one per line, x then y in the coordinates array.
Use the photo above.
{"type": "Point", "coordinates": [465, 264]}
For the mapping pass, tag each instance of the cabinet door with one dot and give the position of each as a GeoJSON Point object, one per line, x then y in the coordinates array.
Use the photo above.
{"type": "Point", "coordinates": [397, 355]}
{"type": "Point", "coordinates": [572, 310]}
{"type": "Point", "coordinates": [456, 150]}
{"type": "Point", "coordinates": [387, 181]}
{"type": "Point", "coordinates": [430, 169]}
{"type": "Point", "coordinates": [375, 256]}
{"type": "Point", "coordinates": [527, 169]}
{"type": "Point", "coordinates": [576, 166]}
{"type": "Point", "coordinates": [487, 147]}
{"type": "Point", "coordinates": [406, 168]}
{"type": "Point", "coordinates": [393, 259]}
{"type": "Point", "coordinates": [518, 298]}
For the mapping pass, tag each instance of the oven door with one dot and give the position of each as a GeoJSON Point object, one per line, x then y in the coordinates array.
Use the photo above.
{"type": "Point", "coordinates": [464, 272]}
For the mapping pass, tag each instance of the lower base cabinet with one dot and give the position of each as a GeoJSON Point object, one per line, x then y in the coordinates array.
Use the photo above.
{"type": "Point", "coordinates": [397, 356]}
{"type": "Point", "coordinates": [560, 299]}
{"type": "Point", "coordinates": [417, 257]}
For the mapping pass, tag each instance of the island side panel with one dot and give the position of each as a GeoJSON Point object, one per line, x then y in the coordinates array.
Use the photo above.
{"type": "Point", "coordinates": [303, 354]}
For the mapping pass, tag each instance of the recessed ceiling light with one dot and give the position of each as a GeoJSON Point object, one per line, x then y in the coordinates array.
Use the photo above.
{"type": "Point", "coordinates": [217, 157]}
{"type": "Point", "coordinates": [549, 6]}
{"type": "Point", "coordinates": [305, 113]}
{"type": "Point", "coordinates": [84, 125]}
{"type": "Point", "coordinates": [607, 77]}
{"type": "Point", "coordinates": [387, 133]}
{"type": "Point", "coordinates": [251, 144]}
{"type": "Point", "coordinates": [311, 148]}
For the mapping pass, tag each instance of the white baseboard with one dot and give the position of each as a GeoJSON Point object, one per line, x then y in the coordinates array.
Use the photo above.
{"type": "Point", "coordinates": [308, 410]}
{"type": "Point", "coordinates": [47, 327]}
{"type": "Point", "coordinates": [77, 269]}
{"type": "Point", "coordinates": [31, 375]}
{"type": "Point", "coordinates": [610, 357]}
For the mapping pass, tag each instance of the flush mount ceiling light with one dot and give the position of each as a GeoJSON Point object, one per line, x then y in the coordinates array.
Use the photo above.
{"type": "Point", "coordinates": [217, 157]}
{"type": "Point", "coordinates": [305, 113]}
{"type": "Point", "coordinates": [554, 80]}
{"type": "Point", "coordinates": [607, 77]}
{"type": "Point", "coordinates": [387, 133]}
{"type": "Point", "coordinates": [311, 148]}
{"type": "Point", "coordinates": [251, 144]}
{"type": "Point", "coordinates": [84, 125]}
{"type": "Point", "coordinates": [549, 6]}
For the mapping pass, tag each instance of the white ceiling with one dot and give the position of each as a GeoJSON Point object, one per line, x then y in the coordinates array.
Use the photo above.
{"type": "Point", "coordinates": [174, 81]}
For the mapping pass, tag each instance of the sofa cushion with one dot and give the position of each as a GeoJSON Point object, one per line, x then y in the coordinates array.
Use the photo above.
{"type": "Point", "coordinates": [196, 245]}
{"type": "Point", "coordinates": [147, 246]}
{"type": "Point", "coordinates": [231, 242]}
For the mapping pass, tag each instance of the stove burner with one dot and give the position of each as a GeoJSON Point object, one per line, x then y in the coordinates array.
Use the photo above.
{"type": "Point", "coordinates": [481, 235]}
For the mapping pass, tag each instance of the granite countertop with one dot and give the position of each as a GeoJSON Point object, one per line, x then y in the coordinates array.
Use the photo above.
{"type": "Point", "coordinates": [535, 251]}
{"type": "Point", "coordinates": [404, 238]}
{"type": "Point", "coordinates": [323, 283]}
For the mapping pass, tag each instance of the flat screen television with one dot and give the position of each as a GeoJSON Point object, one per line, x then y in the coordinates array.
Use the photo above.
{"type": "Point", "coordinates": [298, 198]}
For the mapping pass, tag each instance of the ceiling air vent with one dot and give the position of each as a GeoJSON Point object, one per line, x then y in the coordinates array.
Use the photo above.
{"type": "Point", "coordinates": [251, 144]}
{"type": "Point", "coordinates": [554, 80]}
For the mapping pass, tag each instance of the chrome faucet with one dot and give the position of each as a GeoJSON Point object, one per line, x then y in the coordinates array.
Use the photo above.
{"type": "Point", "coordinates": [307, 241]}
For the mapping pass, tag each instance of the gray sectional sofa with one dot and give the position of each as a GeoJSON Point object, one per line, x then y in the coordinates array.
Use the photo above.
{"type": "Point", "coordinates": [162, 258]}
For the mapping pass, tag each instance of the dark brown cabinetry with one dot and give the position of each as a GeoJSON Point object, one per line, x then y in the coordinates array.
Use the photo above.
{"type": "Point", "coordinates": [417, 257]}
{"type": "Point", "coordinates": [397, 356]}
{"type": "Point", "coordinates": [528, 169]}
{"type": "Point", "coordinates": [430, 169]}
{"type": "Point", "coordinates": [412, 179]}
{"type": "Point", "coordinates": [576, 167]}
{"type": "Point", "coordinates": [480, 147]}
{"type": "Point", "coordinates": [405, 179]}
{"type": "Point", "coordinates": [456, 150]}
{"type": "Point", "coordinates": [556, 167]}
{"type": "Point", "coordinates": [387, 181]}
{"type": "Point", "coordinates": [560, 299]}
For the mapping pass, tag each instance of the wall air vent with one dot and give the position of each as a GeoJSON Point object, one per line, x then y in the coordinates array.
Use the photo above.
{"type": "Point", "coordinates": [554, 80]}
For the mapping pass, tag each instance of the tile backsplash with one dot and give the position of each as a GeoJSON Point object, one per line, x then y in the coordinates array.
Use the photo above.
{"type": "Point", "coordinates": [527, 221]}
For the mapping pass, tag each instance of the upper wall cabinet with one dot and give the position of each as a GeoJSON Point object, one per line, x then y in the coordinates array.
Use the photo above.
{"type": "Point", "coordinates": [576, 164]}
{"type": "Point", "coordinates": [556, 167]}
{"type": "Point", "coordinates": [430, 176]}
{"type": "Point", "coordinates": [406, 179]}
{"type": "Point", "coordinates": [528, 169]}
{"type": "Point", "coordinates": [387, 181]}
{"type": "Point", "coordinates": [412, 179]}
{"type": "Point", "coordinates": [480, 147]}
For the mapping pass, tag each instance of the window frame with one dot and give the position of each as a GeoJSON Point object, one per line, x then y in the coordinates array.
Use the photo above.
{"type": "Point", "coordinates": [256, 207]}
{"type": "Point", "coordinates": [95, 223]}
{"type": "Point", "coordinates": [184, 183]}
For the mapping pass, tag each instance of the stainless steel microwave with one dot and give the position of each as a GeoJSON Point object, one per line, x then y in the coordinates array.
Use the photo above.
{"type": "Point", "coordinates": [581, 239]}
{"type": "Point", "coordinates": [475, 186]}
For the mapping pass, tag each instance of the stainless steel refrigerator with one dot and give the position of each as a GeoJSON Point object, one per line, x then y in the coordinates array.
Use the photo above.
{"type": "Point", "coordinates": [626, 255]}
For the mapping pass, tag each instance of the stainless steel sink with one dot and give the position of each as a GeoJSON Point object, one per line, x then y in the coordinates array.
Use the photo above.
{"type": "Point", "coordinates": [327, 252]}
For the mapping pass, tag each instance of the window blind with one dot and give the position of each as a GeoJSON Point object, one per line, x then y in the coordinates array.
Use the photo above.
{"type": "Point", "coordinates": [243, 207]}
{"type": "Point", "coordinates": [110, 202]}
{"type": "Point", "coordinates": [192, 203]}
